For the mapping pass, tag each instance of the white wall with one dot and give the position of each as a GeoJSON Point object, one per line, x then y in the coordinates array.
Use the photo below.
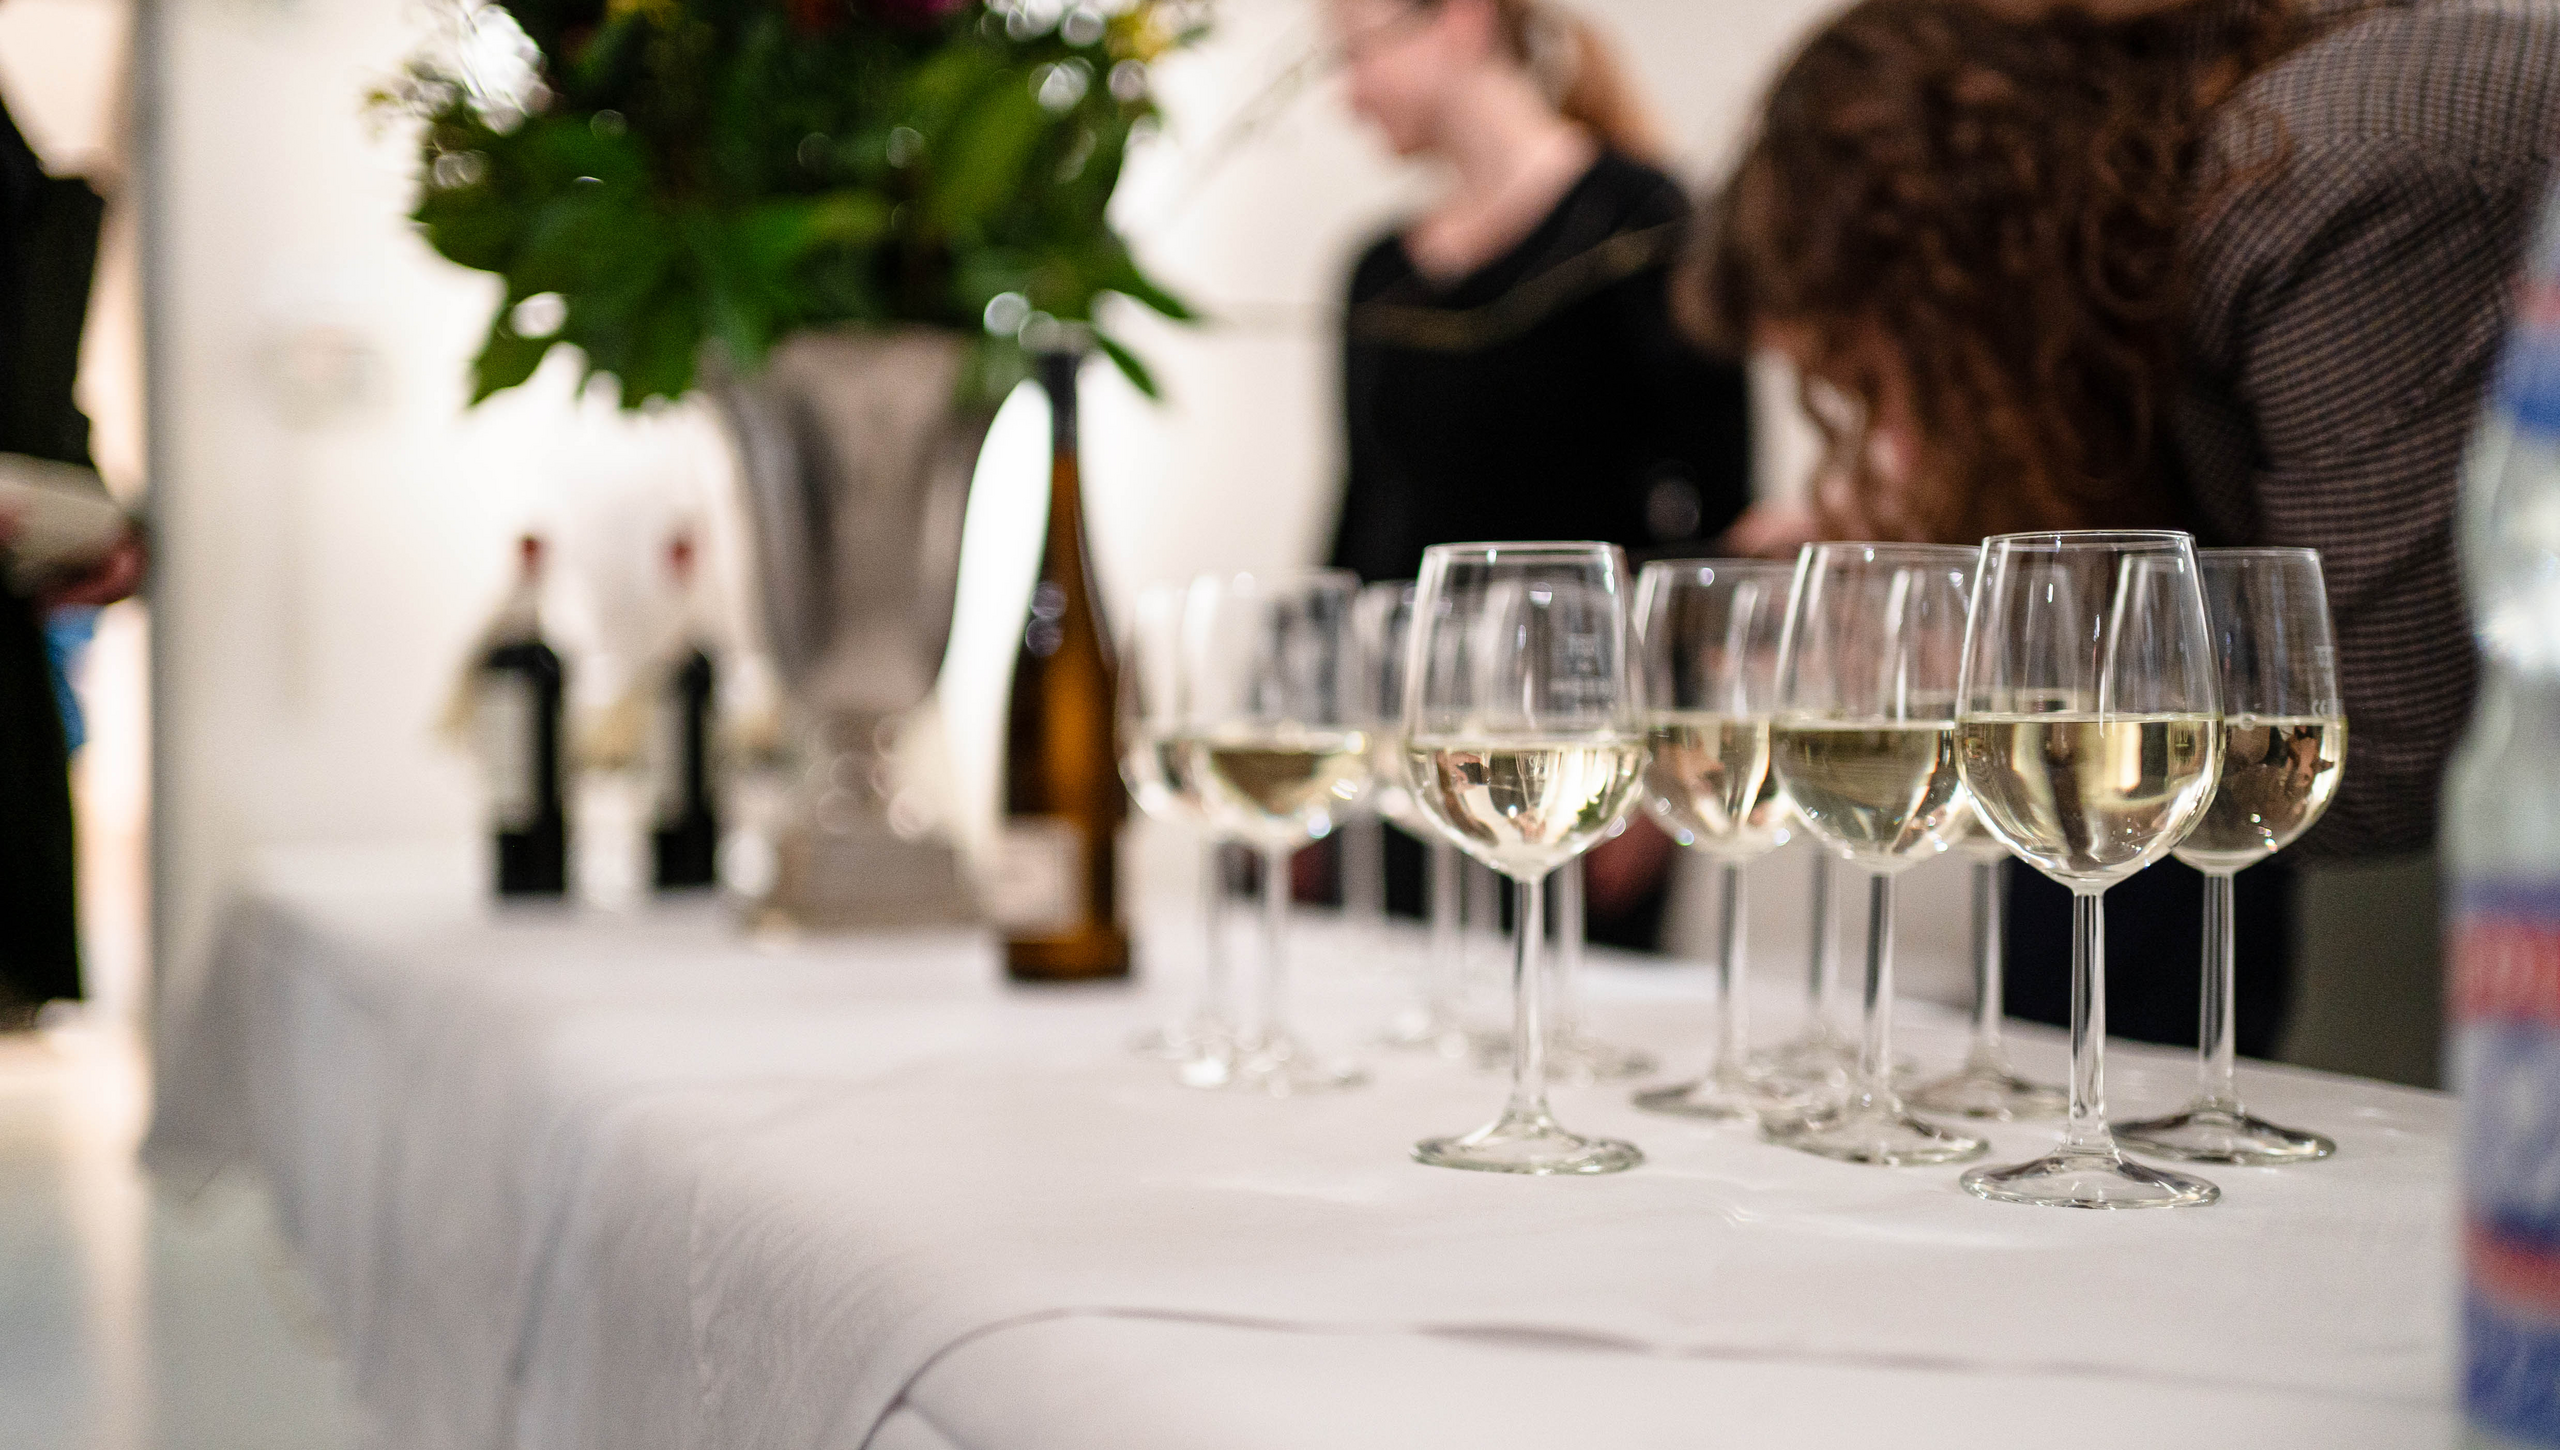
{"type": "Point", "coordinates": [334, 525]}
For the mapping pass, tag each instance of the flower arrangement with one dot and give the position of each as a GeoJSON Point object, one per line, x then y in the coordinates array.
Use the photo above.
{"type": "Point", "coordinates": [662, 183]}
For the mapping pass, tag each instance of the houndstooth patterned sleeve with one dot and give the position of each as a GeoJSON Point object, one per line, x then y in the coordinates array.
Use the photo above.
{"type": "Point", "coordinates": [2348, 305]}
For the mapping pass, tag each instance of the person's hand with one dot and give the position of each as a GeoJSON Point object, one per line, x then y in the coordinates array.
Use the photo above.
{"type": "Point", "coordinates": [1772, 531]}
{"type": "Point", "coordinates": [116, 575]}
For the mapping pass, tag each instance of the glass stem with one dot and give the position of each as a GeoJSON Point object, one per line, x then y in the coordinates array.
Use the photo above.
{"type": "Point", "coordinates": [2086, 1132]}
{"type": "Point", "coordinates": [1528, 1007]}
{"type": "Point", "coordinates": [1364, 889]}
{"type": "Point", "coordinates": [1990, 892]}
{"type": "Point", "coordinates": [1875, 1049]}
{"type": "Point", "coordinates": [1447, 921]}
{"type": "Point", "coordinates": [1484, 906]}
{"type": "Point", "coordinates": [1566, 1011]}
{"type": "Point", "coordinates": [1733, 1020]}
{"type": "Point", "coordinates": [1817, 977]}
{"type": "Point", "coordinates": [1216, 982]}
{"type": "Point", "coordinates": [1275, 942]}
{"type": "Point", "coordinates": [2217, 1041]}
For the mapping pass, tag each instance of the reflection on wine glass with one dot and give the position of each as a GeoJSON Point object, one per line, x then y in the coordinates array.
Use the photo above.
{"type": "Point", "coordinates": [2284, 748]}
{"type": "Point", "coordinates": [1987, 1086]}
{"type": "Point", "coordinates": [1278, 750]}
{"type": "Point", "coordinates": [1153, 706]}
{"type": "Point", "coordinates": [1707, 637]}
{"type": "Point", "coordinates": [2089, 731]}
{"type": "Point", "coordinates": [1382, 621]}
{"type": "Point", "coordinates": [1523, 747]}
{"type": "Point", "coordinates": [1864, 744]}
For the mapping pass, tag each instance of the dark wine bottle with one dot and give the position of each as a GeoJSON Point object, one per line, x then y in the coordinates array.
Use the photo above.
{"type": "Point", "coordinates": [684, 836]}
{"type": "Point", "coordinates": [519, 697]}
{"type": "Point", "coordinates": [1056, 884]}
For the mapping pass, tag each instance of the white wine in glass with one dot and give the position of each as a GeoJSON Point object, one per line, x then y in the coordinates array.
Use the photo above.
{"type": "Point", "coordinates": [1864, 744]}
{"type": "Point", "coordinates": [1708, 633]}
{"type": "Point", "coordinates": [1523, 747]}
{"type": "Point", "coordinates": [1154, 745]}
{"type": "Point", "coordinates": [2090, 737]}
{"type": "Point", "coordinates": [1291, 785]}
{"type": "Point", "coordinates": [1525, 807]}
{"type": "Point", "coordinates": [2284, 748]}
{"type": "Point", "coordinates": [1278, 750]}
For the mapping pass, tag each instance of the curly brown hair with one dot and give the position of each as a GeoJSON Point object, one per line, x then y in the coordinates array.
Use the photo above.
{"type": "Point", "coordinates": [1974, 222]}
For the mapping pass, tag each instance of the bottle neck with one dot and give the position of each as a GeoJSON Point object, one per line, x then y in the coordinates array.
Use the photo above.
{"type": "Point", "coordinates": [1066, 490]}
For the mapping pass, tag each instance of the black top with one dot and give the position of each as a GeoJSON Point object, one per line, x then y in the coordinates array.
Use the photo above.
{"type": "Point", "coordinates": [1547, 395]}
{"type": "Point", "coordinates": [48, 243]}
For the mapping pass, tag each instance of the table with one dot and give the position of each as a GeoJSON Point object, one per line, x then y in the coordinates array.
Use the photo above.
{"type": "Point", "coordinates": [634, 1181]}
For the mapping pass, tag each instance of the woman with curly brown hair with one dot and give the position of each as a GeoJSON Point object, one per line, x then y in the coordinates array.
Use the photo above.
{"type": "Point", "coordinates": [2238, 267]}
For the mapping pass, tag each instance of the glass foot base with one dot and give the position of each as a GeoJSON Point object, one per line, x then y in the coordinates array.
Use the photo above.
{"type": "Point", "coordinates": [1988, 1089]}
{"type": "Point", "coordinates": [1870, 1129]}
{"type": "Point", "coordinates": [1212, 1066]}
{"type": "Point", "coordinates": [2089, 1178]}
{"type": "Point", "coordinates": [1730, 1097]}
{"type": "Point", "coordinates": [2223, 1135]}
{"type": "Point", "coordinates": [1286, 1068]}
{"type": "Point", "coordinates": [1527, 1144]}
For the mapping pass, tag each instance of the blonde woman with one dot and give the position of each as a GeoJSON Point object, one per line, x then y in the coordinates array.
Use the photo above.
{"type": "Point", "coordinates": [1511, 368]}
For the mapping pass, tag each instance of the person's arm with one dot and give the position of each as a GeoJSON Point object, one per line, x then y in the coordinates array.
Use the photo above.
{"type": "Point", "coordinates": [2355, 348]}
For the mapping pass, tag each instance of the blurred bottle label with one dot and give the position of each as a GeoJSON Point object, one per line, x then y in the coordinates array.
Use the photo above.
{"type": "Point", "coordinates": [1037, 884]}
{"type": "Point", "coordinates": [2528, 381]}
{"type": "Point", "coordinates": [2505, 1000]}
{"type": "Point", "coordinates": [662, 759]}
{"type": "Point", "coordinates": [503, 727]}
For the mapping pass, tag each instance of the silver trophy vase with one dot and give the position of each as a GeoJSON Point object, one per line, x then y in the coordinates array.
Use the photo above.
{"type": "Point", "coordinates": [855, 450]}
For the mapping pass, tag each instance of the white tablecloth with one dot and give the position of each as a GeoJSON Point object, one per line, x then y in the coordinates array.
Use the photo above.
{"type": "Point", "coordinates": [633, 1182]}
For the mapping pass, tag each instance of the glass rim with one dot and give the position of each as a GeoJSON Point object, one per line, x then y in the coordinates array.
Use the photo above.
{"type": "Point", "coordinates": [1289, 575]}
{"type": "Point", "coordinates": [1737, 565]}
{"type": "Point", "coordinates": [1881, 549]}
{"type": "Point", "coordinates": [2056, 540]}
{"type": "Point", "coordinates": [2259, 551]}
{"type": "Point", "coordinates": [1494, 549]}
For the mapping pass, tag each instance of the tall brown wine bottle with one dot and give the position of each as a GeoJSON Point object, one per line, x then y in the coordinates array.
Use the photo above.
{"type": "Point", "coordinates": [1057, 883]}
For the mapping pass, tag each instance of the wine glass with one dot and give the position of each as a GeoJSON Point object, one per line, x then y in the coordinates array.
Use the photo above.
{"type": "Point", "coordinates": [1707, 636]}
{"type": "Point", "coordinates": [1523, 746]}
{"type": "Point", "coordinates": [1278, 749]}
{"type": "Point", "coordinates": [1575, 1054]}
{"type": "Point", "coordinates": [1153, 704]}
{"type": "Point", "coordinates": [1819, 1053]}
{"type": "Point", "coordinates": [2089, 731]}
{"type": "Point", "coordinates": [1986, 1086]}
{"type": "Point", "coordinates": [2284, 747]}
{"type": "Point", "coordinates": [1864, 744]}
{"type": "Point", "coordinates": [1383, 619]}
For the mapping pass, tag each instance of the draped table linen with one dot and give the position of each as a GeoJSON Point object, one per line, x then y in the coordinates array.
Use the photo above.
{"type": "Point", "coordinates": [570, 1179]}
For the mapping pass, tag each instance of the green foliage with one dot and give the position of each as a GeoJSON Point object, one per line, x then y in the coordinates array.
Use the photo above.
{"type": "Point", "coordinates": [670, 180]}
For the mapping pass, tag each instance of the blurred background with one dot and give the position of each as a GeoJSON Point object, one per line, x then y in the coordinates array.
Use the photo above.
{"type": "Point", "coordinates": [332, 526]}
{"type": "Point", "coordinates": [276, 366]}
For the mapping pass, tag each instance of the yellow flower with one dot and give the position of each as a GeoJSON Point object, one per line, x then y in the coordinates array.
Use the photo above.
{"type": "Point", "coordinates": [656, 10]}
{"type": "Point", "coordinates": [1140, 33]}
